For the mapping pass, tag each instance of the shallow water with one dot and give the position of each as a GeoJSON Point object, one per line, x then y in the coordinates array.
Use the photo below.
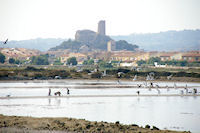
{"type": "Point", "coordinates": [174, 112]}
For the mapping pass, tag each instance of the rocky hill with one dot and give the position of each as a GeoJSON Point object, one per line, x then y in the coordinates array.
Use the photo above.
{"type": "Point", "coordinates": [91, 38]}
{"type": "Point", "coordinates": [185, 40]}
{"type": "Point", "coordinates": [87, 39]}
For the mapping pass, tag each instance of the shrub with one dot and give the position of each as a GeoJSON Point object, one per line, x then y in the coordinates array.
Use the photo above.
{"type": "Point", "coordinates": [117, 122]}
{"type": "Point", "coordinates": [2, 58]}
{"type": "Point", "coordinates": [147, 126]}
{"type": "Point", "coordinates": [155, 128]}
{"type": "Point", "coordinates": [30, 68]}
{"type": "Point", "coordinates": [96, 75]}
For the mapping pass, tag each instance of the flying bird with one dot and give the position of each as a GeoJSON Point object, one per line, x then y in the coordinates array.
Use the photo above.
{"type": "Point", "coordinates": [5, 41]}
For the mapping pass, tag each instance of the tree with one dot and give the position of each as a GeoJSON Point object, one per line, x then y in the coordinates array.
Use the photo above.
{"type": "Point", "coordinates": [11, 60]}
{"type": "Point", "coordinates": [2, 58]}
{"type": "Point", "coordinates": [72, 61]}
{"type": "Point", "coordinates": [58, 62]}
{"type": "Point", "coordinates": [40, 60]}
{"type": "Point", "coordinates": [105, 64]}
{"type": "Point", "coordinates": [154, 59]}
{"type": "Point", "coordinates": [140, 62]}
{"type": "Point", "coordinates": [88, 62]}
{"type": "Point", "coordinates": [17, 62]}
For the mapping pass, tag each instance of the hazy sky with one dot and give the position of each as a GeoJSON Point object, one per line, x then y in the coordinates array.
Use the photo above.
{"type": "Point", "coordinates": [27, 19]}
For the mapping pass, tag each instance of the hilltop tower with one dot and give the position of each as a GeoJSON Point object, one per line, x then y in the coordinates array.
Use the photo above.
{"type": "Point", "coordinates": [101, 27]}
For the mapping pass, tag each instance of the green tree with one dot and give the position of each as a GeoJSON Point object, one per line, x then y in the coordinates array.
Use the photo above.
{"type": "Point", "coordinates": [140, 62]}
{"type": "Point", "coordinates": [2, 58]}
{"type": "Point", "coordinates": [57, 62]}
{"type": "Point", "coordinates": [72, 61]}
{"type": "Point", "coordinates": [17, 62]}
{"type": "Point", "coordinates": [154, 59]}
{"type": "Point", "coordinates": [11, 60]}
{"type": "Point", "coordinates": [88, 62]}
{"type": "Point", "coordinates": [40, 60]}
{"type": "Point", "coordinates": [105, 64]}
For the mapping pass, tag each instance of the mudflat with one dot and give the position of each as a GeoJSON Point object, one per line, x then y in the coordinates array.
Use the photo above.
{"type": "Point", "coordinates": [17, 124]}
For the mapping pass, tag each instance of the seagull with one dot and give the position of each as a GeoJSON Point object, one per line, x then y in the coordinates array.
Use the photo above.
{"type": "Point", "coordinates": [5, 41]}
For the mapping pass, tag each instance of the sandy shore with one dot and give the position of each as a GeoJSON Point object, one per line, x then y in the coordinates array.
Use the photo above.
{"type": "Point", "coordinates": [18, 124]}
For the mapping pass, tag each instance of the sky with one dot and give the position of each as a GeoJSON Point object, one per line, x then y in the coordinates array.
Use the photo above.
{"type": "Point", "coordinates": [29, 19]}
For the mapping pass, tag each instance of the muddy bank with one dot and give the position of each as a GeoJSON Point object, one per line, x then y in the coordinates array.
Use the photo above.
{"type": "Point", "coordinates": [31, 124]}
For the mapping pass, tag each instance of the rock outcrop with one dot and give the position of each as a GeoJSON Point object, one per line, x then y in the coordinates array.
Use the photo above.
{"type": "Point", "coordinates": [93, 39]}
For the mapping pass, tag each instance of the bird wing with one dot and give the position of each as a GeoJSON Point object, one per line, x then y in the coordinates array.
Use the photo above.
{"type": "Point", "coordinates": [6, 41]}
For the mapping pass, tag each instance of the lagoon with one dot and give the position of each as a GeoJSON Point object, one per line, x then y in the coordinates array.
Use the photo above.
{"type": "Point", "coordinates": [166, 112]}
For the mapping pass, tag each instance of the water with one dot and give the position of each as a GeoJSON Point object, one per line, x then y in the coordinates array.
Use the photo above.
{"type": "Point", "coordinates": [165, 112]}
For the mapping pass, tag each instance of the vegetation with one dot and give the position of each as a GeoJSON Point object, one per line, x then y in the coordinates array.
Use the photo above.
{"type": "Point", "coordinates": [100, 42]}
{"type": "Point", "coordinates": [18, 61]}
{"type": "Point", "coordinates": [57, 62]}
{"type": "Point", "coordinates": [72, 61]}
{"type": "Point", "coordinates": [88, 62]}
{"type": "Point", "coordinates": [123, 45]}
{"type": "Point", "coordinates": [96, 75]}
{"type": "Point", "coordinates": [49, 72]}
{"type": "Point", "coordinates": [70, 44]}
{"type": "Point", "coordinates": [169, 63]}
{"type": "Point", "coordinates": [11, 60]}
{"type": "Point", "coordinates": [2, 58]}
{"type": "Point", "coordinates": [104, 64]}
{"type": "Point", "coordinates": [40, 60]}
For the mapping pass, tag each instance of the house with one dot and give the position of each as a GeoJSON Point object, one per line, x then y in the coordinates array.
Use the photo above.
{"type": "Point", "coordinates": [191, 57]}
{"type": "Point", "coordinates": [167, 56]}
{"type": "Point", "coordinates": [125, 56]}
{"type": "Point", "coordinates": [79, 57]}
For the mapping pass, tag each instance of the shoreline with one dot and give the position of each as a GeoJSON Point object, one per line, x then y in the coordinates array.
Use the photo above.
{"type": "Point", "coordinates": [178, 80]}
{"type": "Point", "coordinates": [71, 125]}
{"type": "Point", "coordinates": [87, 96]}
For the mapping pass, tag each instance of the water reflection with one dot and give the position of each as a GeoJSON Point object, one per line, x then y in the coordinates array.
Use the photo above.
{"type": "Point", "coordinates": [49, 101]}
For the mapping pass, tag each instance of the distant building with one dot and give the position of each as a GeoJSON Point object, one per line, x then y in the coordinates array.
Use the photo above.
{"type": "Point", "coordinates": [101, 27]}
{"type": "Point", "coordinates": [191, 57]}
{"type": "Point", "coordinates": [111, 46]}
{"type": "Point", "coordinates": [79, 57]}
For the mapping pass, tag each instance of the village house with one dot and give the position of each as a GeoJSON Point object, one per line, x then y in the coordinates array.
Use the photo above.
{"type": "Point", "coordinates": [79, 57]}
{"type": "Point", "coordinates": [124, 56]}
{"type": "Point", "coordinates": [19, 53]}
{"type": "Point", "coordinates": [191, 57]}
{"type": "Point", "coordinates": [167, 56]}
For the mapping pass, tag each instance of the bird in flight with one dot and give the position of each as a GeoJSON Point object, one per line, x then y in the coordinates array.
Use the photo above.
{"type": "Point", "coordinates": [5, 41]}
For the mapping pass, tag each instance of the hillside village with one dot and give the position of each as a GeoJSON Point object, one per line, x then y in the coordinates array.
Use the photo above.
{"type": "Point", "coordinates": [126, 58]}
{"type": "Point", "coordinates": [97, 46]}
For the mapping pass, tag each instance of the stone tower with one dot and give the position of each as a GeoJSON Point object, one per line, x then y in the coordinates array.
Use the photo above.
{"type": "Point", "coordinates": [102, 27]}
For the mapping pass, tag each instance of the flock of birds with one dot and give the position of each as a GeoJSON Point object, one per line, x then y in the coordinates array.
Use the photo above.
{"type": "Point", "coordinates": [185, 89]}
{"type": "Point", "coordinates": [150, 77]}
